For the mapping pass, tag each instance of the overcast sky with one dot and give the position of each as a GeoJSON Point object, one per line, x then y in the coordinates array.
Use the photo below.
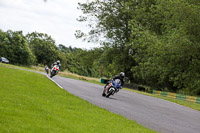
{"type": "Point", "coordinates": [57, 18]}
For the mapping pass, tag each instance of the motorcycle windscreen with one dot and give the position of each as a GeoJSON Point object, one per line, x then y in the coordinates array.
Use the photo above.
{"type": "Point", "coordinates": [118, 81]}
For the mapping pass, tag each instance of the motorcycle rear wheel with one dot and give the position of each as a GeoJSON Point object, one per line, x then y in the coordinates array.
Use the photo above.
{"type": "Point", "coordinates": [104, 94]}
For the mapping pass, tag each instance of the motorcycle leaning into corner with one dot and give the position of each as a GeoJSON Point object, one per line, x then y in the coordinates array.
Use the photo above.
{"type": "Point", "coordinates": [54, 70]}
{"type": "Point", "coordinates": [112, 88]}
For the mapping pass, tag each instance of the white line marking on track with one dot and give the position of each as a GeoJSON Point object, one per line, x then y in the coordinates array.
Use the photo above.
{"type": "Point", "coordinates": [54, 82]}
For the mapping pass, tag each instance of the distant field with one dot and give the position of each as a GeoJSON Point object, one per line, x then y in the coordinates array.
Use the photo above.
{"type": "Point", "coordinates": [30, 102]}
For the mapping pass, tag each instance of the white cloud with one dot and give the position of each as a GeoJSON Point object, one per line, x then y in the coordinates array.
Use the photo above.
{"type": "Point", "coordinates": [54, 17]}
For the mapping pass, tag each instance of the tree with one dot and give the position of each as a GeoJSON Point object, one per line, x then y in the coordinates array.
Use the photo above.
{"type": "Point", "coordinates": [44, 48]}
{"type": "Point", "coordinates": [14, 46]}
{"type": "Point", "coordinates": [170, 59]}
{"type": "Point", "coordinates": [155, 41]}
{"type": "Point", "coordinates": [109, 23]}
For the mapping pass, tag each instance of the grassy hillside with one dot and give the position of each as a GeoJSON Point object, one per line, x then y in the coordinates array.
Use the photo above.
{"type": "Point", "coordinates": [30, 102]}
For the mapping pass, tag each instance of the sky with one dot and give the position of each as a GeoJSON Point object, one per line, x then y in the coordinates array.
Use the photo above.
{"type": "Point", "coordinates": [57, 18]}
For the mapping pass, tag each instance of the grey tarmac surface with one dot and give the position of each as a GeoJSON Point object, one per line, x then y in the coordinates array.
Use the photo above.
{"type": "Point", "coordinates": [157, 114]}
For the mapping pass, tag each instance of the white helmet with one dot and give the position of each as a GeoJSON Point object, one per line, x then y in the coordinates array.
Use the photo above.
{"type": "Point", "coordinates": [58, 62]}
{"type": "Point", "coordinates": [122, 74]}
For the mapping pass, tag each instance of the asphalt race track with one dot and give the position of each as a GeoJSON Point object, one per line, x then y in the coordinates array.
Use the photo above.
{"type": "Point", "coordinates": [157, 114]}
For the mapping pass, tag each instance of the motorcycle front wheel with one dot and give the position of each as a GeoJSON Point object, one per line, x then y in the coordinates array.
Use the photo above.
{"type": "Point", "coordinates": [52, 74]}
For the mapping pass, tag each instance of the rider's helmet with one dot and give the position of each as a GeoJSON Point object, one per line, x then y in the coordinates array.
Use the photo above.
{"type": "Point", "coordinates": [122, 74]}
{"type": "Point", "coordinates": [58, 62]}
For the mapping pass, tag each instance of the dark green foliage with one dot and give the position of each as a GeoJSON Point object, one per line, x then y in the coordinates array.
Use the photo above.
{"type": "Point", "coordinates": [111, 24]}
{"type": "Point", "coordinates": [34, 48]}
{"type": "Point", "coordinates": [44, 48]}
{"type": "Point", "coordinates": [14, 46]}
{"type": "Point", "coordinates": [156, 42]}
{"type": "Point", "coordinates": [82, 61]}
{"type": "Point", "coordinates": [171, 58]}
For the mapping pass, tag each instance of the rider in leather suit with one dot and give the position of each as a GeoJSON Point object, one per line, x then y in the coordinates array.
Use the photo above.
{"type": "Point", "coordinates": [121, 76]}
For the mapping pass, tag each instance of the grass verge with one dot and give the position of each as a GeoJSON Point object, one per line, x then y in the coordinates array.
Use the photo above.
{"type": "Point", "coordinates": [192, 105]}
{"type": "Point", "coordinates": [29, 102]}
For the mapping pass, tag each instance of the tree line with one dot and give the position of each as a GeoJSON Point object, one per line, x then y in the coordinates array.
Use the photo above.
{"type": "Point", "coordinates": [31, 49]}
{"type": "Point", "coordinates": [155, 42]}
{"type": "Point", "coordinates": [40, 49]}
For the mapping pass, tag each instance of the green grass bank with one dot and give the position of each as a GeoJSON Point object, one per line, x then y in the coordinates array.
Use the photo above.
{"type": "Point", "coordinates": [30, 102]}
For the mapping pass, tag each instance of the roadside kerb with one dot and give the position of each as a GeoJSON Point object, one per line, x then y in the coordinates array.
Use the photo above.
{"type": "Point", "coordinates": [54, 82]}
{"type": "Point", "coordinates": [177, 96]}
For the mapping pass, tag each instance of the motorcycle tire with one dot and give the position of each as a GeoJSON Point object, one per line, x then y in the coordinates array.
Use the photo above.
{"type": "Point", "coordinates": [109, 93]}
{"type": "Point", "coordinates": [52, 74]}
{"type": "Point", "coordinates": [104, 94]}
